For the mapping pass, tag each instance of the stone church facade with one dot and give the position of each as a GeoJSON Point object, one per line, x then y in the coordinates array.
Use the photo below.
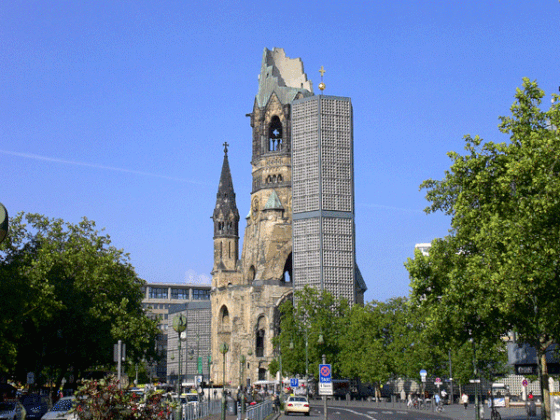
{"type": "Point", "coordinates": [247, 289]}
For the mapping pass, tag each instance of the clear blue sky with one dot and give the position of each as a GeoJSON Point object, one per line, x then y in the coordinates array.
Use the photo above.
{"type": "Point", "coordinates": [117, 110]}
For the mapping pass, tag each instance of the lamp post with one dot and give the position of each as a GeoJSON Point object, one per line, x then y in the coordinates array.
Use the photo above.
{"type": "Point", "coordinates": [475, 370]}
{"type": "Point", "coordinates": [4, 221]}
{"type": "Point", "coordinates": [249, 354]}
{"type": "Point", "coordinates": [224, 349]}
{"type": "Point", "coordinates": [179, 325]}
{"type": "Point", "coordinates": [306, 360]}
{"type": "Point", "coordinates": [209, 376]}
{"type": "Point", "coordinates": [242, 361]}
{"type": "Point", "coordinates": [190, 353]}
{"type": "Point", "coordinates": [306, 365]}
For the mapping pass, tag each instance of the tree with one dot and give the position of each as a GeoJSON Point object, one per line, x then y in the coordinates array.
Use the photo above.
{"type": "Point", "coordinates": [72, 296]}
{"type": "Point", "coordinates": [315, 313]}
{"type": "Point", "coordinates": [499, 269]}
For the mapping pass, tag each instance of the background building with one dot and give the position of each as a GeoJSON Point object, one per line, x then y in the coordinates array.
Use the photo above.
{"type": "Point", "coordinates": [195, 345]}
{"type": "Point", "coordinates": [159, 298]}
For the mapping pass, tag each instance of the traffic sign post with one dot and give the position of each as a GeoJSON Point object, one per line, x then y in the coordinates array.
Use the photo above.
{"type": "Point", "coordinates": [325, 380]}
{"type": "Point", "coordinates": [325, 383]}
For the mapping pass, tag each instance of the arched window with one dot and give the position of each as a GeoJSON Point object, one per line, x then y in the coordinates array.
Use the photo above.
{"type": "Point", "coordinates": [287, 275]}
{"type": "Point", "coordinates": [275, 135]}
{"type": "Point", "coordinates": [224, 317]}
{"type": "Point", "coordinates": [252, 274]}
{"type": "Point", "coordinates": [260, 336]}
{"type": "Point", "coordinates": [280, 179]}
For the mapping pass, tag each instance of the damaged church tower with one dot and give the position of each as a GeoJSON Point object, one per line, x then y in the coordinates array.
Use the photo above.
{"type": "Point", "coordinates": [247, 291]}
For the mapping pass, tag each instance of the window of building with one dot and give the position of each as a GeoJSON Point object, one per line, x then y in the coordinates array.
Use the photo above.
{"type": "Point", "coordinates": [182, 294]}
{"type": "Point", "coordinates": [199, 294]}
{"type": "Point", "coordinates": [275, 135]}
{"type": "Point", "coordinates": [158, 292]}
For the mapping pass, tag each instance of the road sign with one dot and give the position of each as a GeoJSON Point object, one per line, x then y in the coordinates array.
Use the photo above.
{"type": "Point", "coordinates": [294, 382]}
{"type": "Point", "coordinates": [325, 380]}
{"type": "Point", "coordinates": [525, 383]}
{"type": "Point", "coordinates": [423, 374]}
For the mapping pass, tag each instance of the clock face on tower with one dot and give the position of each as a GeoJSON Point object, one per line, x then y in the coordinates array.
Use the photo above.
{"type": "Point", "coordinates": [254, 208]}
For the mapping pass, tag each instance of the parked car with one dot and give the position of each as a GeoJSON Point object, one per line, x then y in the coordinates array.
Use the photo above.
{"type": "Point", "coordinates": [12, 410]}
{"type": "Point", "coordinates": [35, 405]}
{"type": "Point", "coordinates": [297, 405]}
{"type": "Point", "coordinates": [62, 410]}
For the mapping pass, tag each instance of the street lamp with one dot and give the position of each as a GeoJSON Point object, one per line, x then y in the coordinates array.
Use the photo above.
{"type": "Point", "coordinates": [179, 325]}
{"type": "Point", "coordinates": [209, 376]}
{"type": "Point", "coordinates": [224, 349]}
{"type": "Point", "coordinates": [475, 370]}
{"type": "Point", "coordinates": [249, 354]}
{"type": "Point", "coordinates": [242, 360]}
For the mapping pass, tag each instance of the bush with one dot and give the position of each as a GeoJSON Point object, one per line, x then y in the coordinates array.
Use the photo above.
{"type": "Point", "coordinates": [103, 400]}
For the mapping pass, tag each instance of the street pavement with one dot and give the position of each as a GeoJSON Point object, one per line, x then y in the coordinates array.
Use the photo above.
{"type": "Point", "coordinates": [453, 412]}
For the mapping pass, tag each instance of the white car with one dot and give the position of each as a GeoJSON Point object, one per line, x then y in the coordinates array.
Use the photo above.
{"type": "Point", "coordinates": [12, 410]}
{"type": "Point", "coordinates": [62, 410]}
{"type": "Point", "coordinates": [297, 405]}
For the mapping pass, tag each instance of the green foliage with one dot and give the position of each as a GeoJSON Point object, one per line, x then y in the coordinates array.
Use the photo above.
{"type": "Point", "coordinates": [498, 270]}
{"type": "Point", "coordinates": [315, 313]}
{"type": "Point", "coordinates": [373, 343]}
{"type": "Point", "coordinates": [103, 400]}
{"type": "Point", "coordinates": [72, 296]}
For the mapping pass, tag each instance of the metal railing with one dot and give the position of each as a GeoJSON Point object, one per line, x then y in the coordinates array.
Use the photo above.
{"type": "Point", "coordinates": [257, 412]}
{"type": "Point", "coordinates": [201, 410]}
{"type": "Point", "coordinates": [205, 409]}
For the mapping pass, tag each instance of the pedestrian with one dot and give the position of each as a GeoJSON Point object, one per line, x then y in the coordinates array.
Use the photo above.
{"type": "Point", "coordinates": [277, 403]}
{"type": "Point", "coordinates": [443, 395]}
{"type": "Point", "coordinates": [403, 395]}
{"type": "Point", "coordinates": [465, 399]}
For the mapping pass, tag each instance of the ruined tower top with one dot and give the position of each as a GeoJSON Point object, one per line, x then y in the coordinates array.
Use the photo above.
{"type": "Point", "coordinates": [282, 75]}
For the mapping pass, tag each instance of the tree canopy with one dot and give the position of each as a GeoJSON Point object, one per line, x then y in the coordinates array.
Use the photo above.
{"type": "Point", "coordinates": [72, 295]}
{"type": "Point", "coordinates": [498, 270]}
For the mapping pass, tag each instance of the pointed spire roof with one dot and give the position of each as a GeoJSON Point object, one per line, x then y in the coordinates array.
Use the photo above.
{"type": "Point", "coordinates": [225, 199]}
{"type": "Point", "coordinates": [273, 202]}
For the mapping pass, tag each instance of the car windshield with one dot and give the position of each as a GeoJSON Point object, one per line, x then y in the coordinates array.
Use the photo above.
{"type": "Point", "coordinates": [62, 405]}
{"type": "Point", "coordinates": [7, 406]}
{"type": "Point", "coordinates": [298, 399]}
{"type": "Point", "coordinates": [191, 398]}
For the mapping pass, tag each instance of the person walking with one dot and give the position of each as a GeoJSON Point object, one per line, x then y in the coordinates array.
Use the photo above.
{"type": "Point", "coordinates": [465, 400]}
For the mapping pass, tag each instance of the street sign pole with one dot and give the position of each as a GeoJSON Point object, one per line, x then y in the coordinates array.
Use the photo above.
{"type": "Point", "coordinates": [324, 396]}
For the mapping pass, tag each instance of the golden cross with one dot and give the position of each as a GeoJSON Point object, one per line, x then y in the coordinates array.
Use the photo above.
{"type": "Point", "coordinates": [322, 71]}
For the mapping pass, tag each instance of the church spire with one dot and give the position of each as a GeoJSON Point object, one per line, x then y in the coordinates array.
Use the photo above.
{"type": "Point", "coordinates": [226, 215]}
